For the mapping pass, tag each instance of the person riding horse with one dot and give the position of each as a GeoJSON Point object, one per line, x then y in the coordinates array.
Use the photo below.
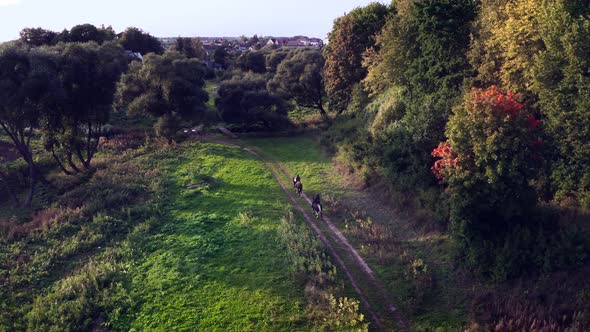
{"type": "Point", "coordinates": [316, 206]}
{"type": "Point", "coordinates": [298, 185]}
{"type": "Point", "coordinates": [296, 179]}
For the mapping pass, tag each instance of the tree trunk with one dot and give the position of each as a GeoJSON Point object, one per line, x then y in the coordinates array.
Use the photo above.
{"type": "Point", "coordinates": [59, 163]}
{"type": "Point", "coordinates": [72, 164]}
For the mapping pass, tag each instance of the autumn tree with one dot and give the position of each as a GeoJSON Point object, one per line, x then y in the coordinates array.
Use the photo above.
{"type": "Point", "coordinates": [300, 78]}
{"type": "Point", "coordinates": [492, 153]}
{"type": "Point", "coordinates": [351, 36]}
{"type": "Point", "coordinates": [506, 40]}
{"type": "Point", "coordinates": [168, 86]}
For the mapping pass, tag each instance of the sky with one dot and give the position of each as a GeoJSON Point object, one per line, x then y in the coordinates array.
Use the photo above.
{"type": "Point", "coordinates": [172, 18]}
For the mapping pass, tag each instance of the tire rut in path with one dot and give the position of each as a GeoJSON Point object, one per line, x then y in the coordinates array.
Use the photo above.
{"type": "Point", "coordinates": [347, 247]}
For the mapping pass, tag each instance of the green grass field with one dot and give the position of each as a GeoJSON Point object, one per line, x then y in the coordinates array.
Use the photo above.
{"type": "Point", "coordinates": [210, 269]}
{"type": "Point", "coordinates": [203, 259]}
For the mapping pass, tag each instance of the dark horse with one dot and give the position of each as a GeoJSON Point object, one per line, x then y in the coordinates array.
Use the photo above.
{"type": "Point", "coordinates": [316, 205]}
{"type": "Point", "coordinates": [298, 185]}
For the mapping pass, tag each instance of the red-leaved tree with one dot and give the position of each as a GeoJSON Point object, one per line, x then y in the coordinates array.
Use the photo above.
{"type": "Point", "coordinates": [491, 156]}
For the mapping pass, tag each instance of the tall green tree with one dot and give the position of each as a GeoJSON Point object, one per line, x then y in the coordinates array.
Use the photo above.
{"type": "Point", "coordinates": [84, 33]}
{"type": "Point", "coordinates": [220, 56]}
{"type": "Point", "coordinates": [560, 77]}
{"type": "Point", "coordinates": [252, 61]}
{"type": "Point", "coordinates": [88, 74]}
{"type": "Point", "coordinates": [37, 36]}
{"type": "Point", "coordinates": [29, 87]}
{"type": "Point", "coordinates": [351, 36]}
{"type": "Point", "coordinates": [245, 101]}
{"type": "Point", "coordinates": [190, 47]}
{"type": "Point", "coordinates": [136, 40]}
{"type": "Point", "coordinates": [421, 55]}
{"type": "Point", "coordinates": [300, 78]}
{"type": "Point", "coordinates": [166, 85]}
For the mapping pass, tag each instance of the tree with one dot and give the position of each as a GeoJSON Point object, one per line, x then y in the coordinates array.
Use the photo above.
{"type": "Point", "coordinates": [492, 153]}
{"type": "Point", "coordinates": [89, 74]}
{"type": "Point", "coordinates": [245, 101]}
{"type": "Point", "coordinates": [220, 56]}
{"type": "Point", "coordinates": [252, 61]}
{"type": "Point", "coordinates": [274, 59]}
{"type": "Point", "coordinates": [166, 85]}
{"type": "Point", "coordinates": [107, 34]}
{"type": "Point", "coordinates": [37, 36]}
{"type": "Point", "coordinates": [135, 40]}
{"type": "Point", "coordinates": [561, 80]}
{"type": "Point", "coordinates": [84, 33]}
{"type": "Point", "coordinates": [29, 87]}
{"type": "Point", "coordinates": [419, 65]}
{"type": "Point", "coordinates": [351, 36]}
{"type": "Point", "coordinates": [506, 41]}
{"type": "Point", "coordinates": [190, 47]}
{"type": "Point", "coordinates": [300, 78]}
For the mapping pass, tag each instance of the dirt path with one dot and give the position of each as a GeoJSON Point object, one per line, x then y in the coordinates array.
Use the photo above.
{"type": "Point", "coordinates": [339, 247]}
{"type": "Point", "coordinates": [358, 262]}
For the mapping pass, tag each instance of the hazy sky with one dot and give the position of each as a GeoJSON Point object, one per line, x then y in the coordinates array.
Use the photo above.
{"type": "Point", "coordinates": [171, 18]}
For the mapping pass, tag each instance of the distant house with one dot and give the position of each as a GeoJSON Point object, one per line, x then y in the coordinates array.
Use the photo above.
{"type": "Point", "coordinates": [316, 42]}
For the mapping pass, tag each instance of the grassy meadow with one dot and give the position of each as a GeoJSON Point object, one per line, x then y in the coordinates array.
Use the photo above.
{"type": "Point", "coordinates": [155, 239]}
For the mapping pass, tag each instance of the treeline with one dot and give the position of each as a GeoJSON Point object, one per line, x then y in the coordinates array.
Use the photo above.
{"type": "Point", "coordinates": [132, 39]}
{"type": "Point", "coordinates": [479, 111]}
{"type": "Point", "coordinates": [59, 90]}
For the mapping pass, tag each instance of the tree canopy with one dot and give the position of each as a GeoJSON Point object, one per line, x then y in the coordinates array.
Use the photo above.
{"type": "Point", "coordinates": [136, 40]}
{"type": "Point", "coordinates": [168, 85]}
{"type": "Point", "coordinates": [299, 77]}
{"type": "Point", "coordinates": [352, 35]}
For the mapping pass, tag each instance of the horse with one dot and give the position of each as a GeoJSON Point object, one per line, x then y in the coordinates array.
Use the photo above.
{"type": "Point", "coordinates": [316, 206]}
{"type": "Point", "coordinates": [298, 185]}
{"type": "Point", "coordinates": [299, 188]}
